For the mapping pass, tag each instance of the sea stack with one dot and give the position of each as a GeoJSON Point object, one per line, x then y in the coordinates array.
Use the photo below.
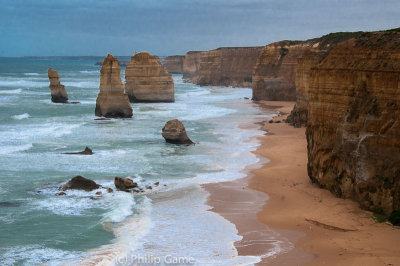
{"type": "Point", "coordinates": [147, 80]}
{"type": "Point", "coordinates": [174, 132]}
{"type": "Point", "coordinates": [57, 90]}
{"type": "Point", "coordinates": [112, 100]}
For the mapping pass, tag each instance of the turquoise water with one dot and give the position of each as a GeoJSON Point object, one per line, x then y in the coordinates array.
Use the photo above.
{"type": "Point", "coordinates": [36, 226]}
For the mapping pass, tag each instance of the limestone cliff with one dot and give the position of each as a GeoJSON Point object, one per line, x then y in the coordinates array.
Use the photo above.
{"type": "Point", "coordinates": [191, 64]}
{"type": "Point", "coordinates": [275, 71]}
{"type": "Point", "coordinates": [311, 57]}
{"type": "Point", "coordinates": [57, 90]}
{"type": "Point", "coordinates": [112, 100]}
{"type": "Point", "coordinates": [353, 130]}
{"type": "Point", "coordinates": [227, 66]}
{"type": "Point", "coordinates": [174, 64]}
{"type": "Point", "coordinates": [147, 80]}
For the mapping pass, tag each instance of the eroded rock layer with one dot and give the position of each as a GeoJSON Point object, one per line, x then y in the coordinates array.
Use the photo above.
{"type": "Point", "coordinates": [174, 64]}
{"type": "Point", "coordinates": [309, 59]}
{"type": "Point", "coordinates": [228, 66]}
{"type": "Point", "coordinates": [275, 71]}
{"type": "Point", "coordinates": [191, 64]}
{"type": "Point", "coordinates": [274, 76]}
{"type": "Point", "coordinates": [112, 100]}
{"type": "Point", "coordinates": [147, 80]}
{"type": "Point", "coordinates": [353, 130]}
{"type": "Point", "coordinates": [57, 90]}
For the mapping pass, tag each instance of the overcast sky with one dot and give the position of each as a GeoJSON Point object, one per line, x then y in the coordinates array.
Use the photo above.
{"type": "Point", "coordinates": [166, 27]}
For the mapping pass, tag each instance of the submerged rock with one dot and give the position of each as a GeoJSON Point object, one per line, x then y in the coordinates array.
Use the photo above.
{"type": "Point", "coordinates": [124, 184]}
{"type": "Point", "coordinates": [86, 151]}
{"type": "Point", "coordinates": [80, 183]}
{"type": "Point", "coordinates": [147, 80]}
{"type": "Point", "coordinates": [57, 90]}
{"type": "Point", "coordinates": [112, 100]}
{"type": "Point", "coordinates": [174, 132]}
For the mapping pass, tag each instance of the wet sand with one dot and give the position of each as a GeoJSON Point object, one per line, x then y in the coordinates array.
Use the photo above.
{"type": "Point", "coordinates": [277, 202]}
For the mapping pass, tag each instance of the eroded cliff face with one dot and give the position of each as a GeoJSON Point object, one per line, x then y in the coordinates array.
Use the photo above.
{"type": "Point", "coordinates": [274, 76]}
{"type": "Point", "coordinates": [174, 64]}
{"type": "Point", "coordinates": [147, 80]}
{"type": "Point", "coordinates": [191, 64]}
{"type": "Point", "coordinates": [275, 71]}
{"type": "Point", "coordinates": [230, 66]}
{"type": "Point", "coordinates": [309, 59]}
{"type": "Point", "coordinates": [112, 100]}
{"type": "Point", "coordinates": [353, 130]}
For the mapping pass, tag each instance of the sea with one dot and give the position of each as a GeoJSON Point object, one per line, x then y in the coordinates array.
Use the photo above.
{"type": "Point", "coordinates": [170, 223]}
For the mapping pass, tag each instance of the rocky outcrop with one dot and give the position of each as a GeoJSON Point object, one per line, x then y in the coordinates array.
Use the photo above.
{"type": "Point", "coordinates": [57, 90]}
{"type": "Point", "coordinates": [147, 80]}
{"type": "Point", "coordinates": [80, 183]}
{"type": "Point", "coordinates": [191, 64]}
{"type": "Point", "coordinates": [274, 76]}
{"type": "Point", "coordinates": [174, 64]}
{"type": "Point", "coordinates": [227, 66]}
{"type": "Point", "coordinates": [354, 121]}
{"type": "Point", "coordinates": [86, 151]}
{"type": "Point", "coordinates": [124, 184]}
{"type": "Point", "coordinates": [174, 132]}
{"type": "Point", "coordinates": [112, 100]}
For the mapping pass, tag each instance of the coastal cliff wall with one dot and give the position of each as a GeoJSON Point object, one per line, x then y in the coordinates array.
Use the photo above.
{"type": "Point", "coordinates": [191, 64]}
{"type": "Point", "coordinates": [230, 66]}
{"type": "Point", "coordinates": [275, 71]}
{"type": "Point", "coordinates": [274, 76]}
{"type": "Point", "coordinates": [353, 121]}
{"type": "Point", "coordinates": [174, 64]}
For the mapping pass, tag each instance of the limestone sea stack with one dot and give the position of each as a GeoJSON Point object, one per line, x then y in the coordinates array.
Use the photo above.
{"type": "Point", "coordinates": [353, 128]}
{"type": "Point", "coordinates": [57, 90]}
{"type": "Point", "coordinates": [112, 100]}
{"type": "Point", "coordinates": [174, 132]}
{"type": "Point", "coordinates": [147, 80]}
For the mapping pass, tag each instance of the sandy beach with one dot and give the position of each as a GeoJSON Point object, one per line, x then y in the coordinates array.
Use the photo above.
{"type": "Point", "coordinates": [277, 197]}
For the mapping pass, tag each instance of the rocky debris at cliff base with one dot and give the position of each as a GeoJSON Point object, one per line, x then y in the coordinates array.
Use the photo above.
{"type": "Point", "coordinates": [174, 132]}
{"type": "Point", "coordinates": [57, 90]}
{"type": "Point", "coordinates": [80, 183]}
{"type": "Point", "coordinates": [86, 151]}
{"type": "Point", "coordinates": [124, 184]}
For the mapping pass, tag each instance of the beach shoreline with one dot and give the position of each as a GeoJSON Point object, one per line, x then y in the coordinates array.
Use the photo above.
{"type": "Point", "coordinates": [277, 194]}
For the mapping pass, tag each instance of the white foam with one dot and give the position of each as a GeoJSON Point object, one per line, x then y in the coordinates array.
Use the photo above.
{"type": "Point", "coordinates": [21, 116]}
{"type": "Point", "coordinates": [90, 71]}
{"type": "Point", "coordinates": [16, 91]}
{"type": "Point", "coordinates": [10, 149]}
{"type": "Point", "coordinates": [121, 206]}
{"type": "Point", "coordinates": [129, 236]}
{"type": "Point", "coordinates": [31, 74]}
{"type": "Point", "coordinates": [23, 83]}
{"type": "Point", "coordinates": [34, 255]}
{"type": "Point", "coordinates": [81, 84]}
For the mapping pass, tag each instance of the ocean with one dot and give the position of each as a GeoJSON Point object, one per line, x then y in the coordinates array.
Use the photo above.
{"type": "Point", "coordinates": [169, 221]}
